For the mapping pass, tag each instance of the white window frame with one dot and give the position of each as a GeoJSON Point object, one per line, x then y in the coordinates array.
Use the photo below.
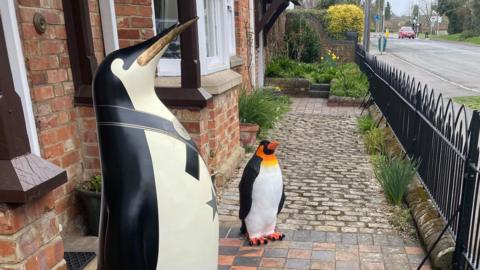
{"type": "Point", "coordinates": [208, 65]}
{"type": "Point", "coordinates": [19, 72]}
{"type": "Point", "coordinates": [109, 25]}
{"type": "Point", "coordinates": [232, 46]}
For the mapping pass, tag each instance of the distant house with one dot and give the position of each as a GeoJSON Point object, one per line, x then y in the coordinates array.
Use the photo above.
{"type": "Point", "coordinates": [49, 51]}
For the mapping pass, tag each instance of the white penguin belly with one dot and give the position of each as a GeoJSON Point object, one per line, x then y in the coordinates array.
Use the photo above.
{"type": "Point", "coordinates": [266, 195]}
{"type": "Point", "coordinates": [182, 202]}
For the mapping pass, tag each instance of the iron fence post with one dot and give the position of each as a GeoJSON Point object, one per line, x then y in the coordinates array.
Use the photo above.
{"type": "Point", "coordinates": [467, 196]}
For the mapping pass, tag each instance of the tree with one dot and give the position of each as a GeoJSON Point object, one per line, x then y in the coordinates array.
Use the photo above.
{"type": "Point", "coordinates": [476, 16]}
{"type": "Point", "coordinates": [416, 12]}
{"type": "Point", "coordinates": [456, 14]}
{"type": "Point", "coordinates": [388, 12]}
{"type": "Point", "coordinates": [324, 4]}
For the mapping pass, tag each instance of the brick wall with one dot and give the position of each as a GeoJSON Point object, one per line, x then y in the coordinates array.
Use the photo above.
{"type": "Point", "coordinates": [243, 38]}
{"type": "Point", "coordinates": [195, 121]}
{"type": "Point", "coordinates": [223, 127]}
{"type": "Point", "coordinates": [30, 233]}
{"type": "Point", "coordinates": [134, 21]}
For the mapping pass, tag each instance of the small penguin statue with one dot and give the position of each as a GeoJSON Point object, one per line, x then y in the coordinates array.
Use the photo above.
{"type": "Point", "coordinates": [261, 195]}
{"type": "Point", "coordinates": [158, 203]}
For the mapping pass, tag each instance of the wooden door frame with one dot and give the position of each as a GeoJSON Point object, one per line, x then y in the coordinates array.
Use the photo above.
{"type": "Point", "coordinates": [19, 72]}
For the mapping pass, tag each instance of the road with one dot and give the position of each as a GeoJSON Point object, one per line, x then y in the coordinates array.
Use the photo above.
{"type": "Point", "coordinates": [452, 69]}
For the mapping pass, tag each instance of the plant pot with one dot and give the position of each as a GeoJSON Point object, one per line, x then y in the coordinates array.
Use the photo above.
{"type": "Point", "coordinates": [92, 203]}
{"type": "Point", "coordinates": [248, 134]}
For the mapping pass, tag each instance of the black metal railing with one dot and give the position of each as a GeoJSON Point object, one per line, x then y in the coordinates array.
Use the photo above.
{"type": "Point", "coordinates": [443, 136]}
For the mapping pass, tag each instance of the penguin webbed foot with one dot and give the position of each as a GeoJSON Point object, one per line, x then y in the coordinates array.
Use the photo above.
{"type": "Point", "coordinates": [257, 241]}
{"type": "Point", "coordinates": [276, 236]}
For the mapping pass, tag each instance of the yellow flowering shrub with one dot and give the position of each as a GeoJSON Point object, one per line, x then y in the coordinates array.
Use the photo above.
{"type": "Point", "coordinates": [344, 18]}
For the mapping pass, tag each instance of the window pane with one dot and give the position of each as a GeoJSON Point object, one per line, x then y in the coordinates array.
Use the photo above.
{"type": "Point", "coordinates": [166, 15]}
{"type": "Point", "coordinates": [211, 28]}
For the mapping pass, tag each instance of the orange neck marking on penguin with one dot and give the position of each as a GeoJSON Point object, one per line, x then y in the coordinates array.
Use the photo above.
{"type": "Point", "coordinates": [267, 160]}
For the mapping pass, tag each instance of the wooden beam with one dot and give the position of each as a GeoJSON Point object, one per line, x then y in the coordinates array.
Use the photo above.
{"type": "Point", "coordinates": [190, 94]}
{"type": "Point", "coordinates": [23, 176]}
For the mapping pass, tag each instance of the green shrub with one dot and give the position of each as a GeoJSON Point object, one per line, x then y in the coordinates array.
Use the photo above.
{"type": "Point", "coordinates": [365, 123]}
{"type": "Point", "coordinates": [349, 81]}
{"type": "Point", "coordinates": [303, 43]}
{"type": "Point", "coordinates": [375, 141]}
{"type": "Point", "coordinates": [283, 67]}
{"type": "Point", "coordinates": [394, 175]}
{"type": "Point", "coordinates": [344, 18]}
{"type": "Point", "coordinates": [262, 107]}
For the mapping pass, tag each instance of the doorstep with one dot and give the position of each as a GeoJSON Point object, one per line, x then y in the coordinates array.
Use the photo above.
{"type": "Point", "coordinates": [74, 243]}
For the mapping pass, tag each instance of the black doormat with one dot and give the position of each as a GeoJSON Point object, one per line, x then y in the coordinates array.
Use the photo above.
{"type": "Point", "coordinates": [78, 260]}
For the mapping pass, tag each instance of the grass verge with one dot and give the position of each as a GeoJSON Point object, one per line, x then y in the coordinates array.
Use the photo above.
{"type": "Point", "coordinates": [472, 102]}
{"type": "Point", "coordinates": [458, 38]}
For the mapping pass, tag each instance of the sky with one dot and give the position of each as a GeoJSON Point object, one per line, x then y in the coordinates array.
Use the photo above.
{"type": "Point", "coordinates": [400, 7]}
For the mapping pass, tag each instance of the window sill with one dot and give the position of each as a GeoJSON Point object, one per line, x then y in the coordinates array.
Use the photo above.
{"type": "Point", "coordinates": [236, 61]}
{"type": "Point", "coordinates": [28, 177]}
{"type": "Point", "coordinates": [214, 83]}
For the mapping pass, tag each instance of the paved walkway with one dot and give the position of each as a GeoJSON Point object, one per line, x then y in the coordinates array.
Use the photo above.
{"type": "Point", "coordinates": [335, 214]}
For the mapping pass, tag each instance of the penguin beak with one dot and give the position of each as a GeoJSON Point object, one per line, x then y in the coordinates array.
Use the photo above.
{"type": "Point", "coordinates": [273, 145]}
{"type": "Point", "coordinates": [163, 42]}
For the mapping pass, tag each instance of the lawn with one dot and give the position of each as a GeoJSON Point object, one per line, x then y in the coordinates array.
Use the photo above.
{"type": "Point", "coordinates": [458, 37]}
{"type": "Point", "coordinates": [469, 102]}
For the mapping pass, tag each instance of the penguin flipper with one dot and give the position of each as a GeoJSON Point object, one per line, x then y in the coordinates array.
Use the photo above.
{"type": "Point", "coordinates": [250, 173]}
{"type": "Point", "coordinates": [282, 201]}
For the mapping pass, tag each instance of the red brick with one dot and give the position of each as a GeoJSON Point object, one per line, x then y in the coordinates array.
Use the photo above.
{"type": "Point", "coordinates": [60, 32]}
{"type": "Point", "coordinates": [32, 263]}
{"type": "Point", "coordinates": [142, 2]}
{"type": "Point", "coordinates": [52, 46]}
{"type": "Point", "coordinates": [90, 136]}
{"type": "Point", "coordinates": [46, 121]}
{"type": "Point", "coordinates": [192, 127]}
{"type": "Point", "coordinates": [86, 112]}
{"type": "Point", "coordinates": [53, 151]}
{"type": "Point", "coordinates": [26, 14]}
{"type": "Point", "coordinates": [29, 3]}
{"type": "Point", "coordinates": [53, 16]}
{"type": "Point", "coordinates": [124, 10]}
{"type": "Point", "coordinates": [38, 78]}
{"type": "Point", "coordinates": [124, 43]}
{"type": "Point", "coordinates": [62, 103]}
{"type": "Point", "coordinates": [48, 137]}
{"type": "Point", "coordinates": [63, 118]}
{"type": "Point", "coordinates": [145, 11]}
{"type": "Point", "coordinates": [28, 31]}
{"type": "Point", "coordinates": [57, 75]}
{"type": "Point", "coordinates": [41, 93]}
{"type": "Point", "coordinates": [43, 62]}
{"type": "Point", "coordinates": [92, 150]}
{"type": "Point", "coordinates": [141, 22]}
{"type": "Point", "coordinates": [65, 132]}
{"type": "Point", "coordinates": [7, 249]}
{"type": "Point", "coordinates": [128, 34]}
{"type": "Point", "coordinates": [70, 159]}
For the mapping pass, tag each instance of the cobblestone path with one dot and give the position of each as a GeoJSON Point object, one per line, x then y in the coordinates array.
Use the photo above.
{"type": "Point", "coordinates": [329, 181]}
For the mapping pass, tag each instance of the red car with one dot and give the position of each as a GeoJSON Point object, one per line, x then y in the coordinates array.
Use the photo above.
{"type": "Point", "coordinates": [406, 32]}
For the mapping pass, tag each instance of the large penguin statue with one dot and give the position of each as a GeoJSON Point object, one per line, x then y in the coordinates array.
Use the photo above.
{"type": "Point", "coordinates": [261, 195]}
{"type": "Point", "coordinates": [158, 203]}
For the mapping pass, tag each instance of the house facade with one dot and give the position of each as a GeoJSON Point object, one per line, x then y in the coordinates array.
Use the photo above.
{"type": "Point", "coordinates": [49, 51]}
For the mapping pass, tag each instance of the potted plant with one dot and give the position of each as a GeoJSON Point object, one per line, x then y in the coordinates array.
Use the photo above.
{"type": "Point", "coordinates": [259, 110]}
{"type": "Point", "coordinates": [248, 134]}
{"type": "Point", "coordinates": [91, 197]}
